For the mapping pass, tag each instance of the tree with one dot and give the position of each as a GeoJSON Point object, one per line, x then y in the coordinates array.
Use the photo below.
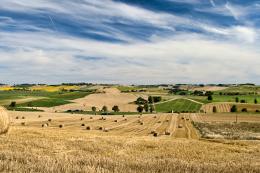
{"type": "Point", "coordinates": [214, 109]}
{"type": "Point", "coordinates": [140, 109]}
{"type": "Point", "coordinates": [150, 99]}
{"type": "Point", "coordinates": [237, 99]}
{"type": "Point", "coordinates": [104, 109]}
{"type": "Point", "coordinates": [210, 98]}
{"type": "Point", "coordinates": [140, 101]}
{"type": "Point", "coordinates": [233, 108]}
{"type": "Point", "coordinates": [13, 104]}
{"type": "Point", "coordinates": [256, 101]}
{"type": "Point", "coordinates": [94, 109]}
{"type": "Point", "coordinates": [151, 108]}
{"type": "Point", "coordinates": [146, 107]}
{"type": "Point", "coordinates": [115, 108]}
{"type": "Point", "coordinates": [242, 101]}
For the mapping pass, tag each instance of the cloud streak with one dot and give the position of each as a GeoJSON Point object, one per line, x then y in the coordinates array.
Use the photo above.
{"type": "Point", "coordinates": [121, 42]}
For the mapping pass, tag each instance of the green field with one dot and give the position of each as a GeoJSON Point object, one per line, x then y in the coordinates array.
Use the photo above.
{"type": "Point", "coordinates": [46, 99]}
{"type": "Point", "coordinates": [179, 105]}
{"type": "Point", "coordinates": [226, 98]}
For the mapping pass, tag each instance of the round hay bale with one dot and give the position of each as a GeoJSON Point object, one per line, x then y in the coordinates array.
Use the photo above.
{"type": "Point", "coordinates": [81, 119]}
{"type": "Point", "coordinates": [167, 133]}
{"type": "Point", "coordinates": [155, 134]}
{"type": "Point", "coordinates": [61, 126]}
{"type": "Point", "coordinates": [39, 116]}
{"type": "Point", "coordinates": [83, 125]}
{"type": "Point", "coordinates": [123, 116]}
{"type": "Point", "coordinates": [141, 123]}
{"type": "Point", "coordinates": [100, 128]}
{"type": "Point", "coordinates": [167, 120]}
{"type": "Point", "coordinates": [17, 117]}
{"type": "Point", "coordinates": [90, 117]}
{"type": "Point", "coordinates": [4, 121]}
{"type": "Point", "coordinates": [106, 130]}
{"type": "Point", "coordinates": [23, 124]}
{"type": "Point", "coordinates": [155, 116]}
{"type": "Point", "coordinates": [115, 121]}
{"type": "Point", "coordinates": [45, 125]}
{"type": "Point", "coordinates": [125, 119]}
{"type": "Point", "coordinates": [23, 117]}
{"type": "Point", "coordinates": [49, 120]}
{"type": "Point", "coordinates": [159, 122]}
{"type": "Point", "coordinates": [88, 128]}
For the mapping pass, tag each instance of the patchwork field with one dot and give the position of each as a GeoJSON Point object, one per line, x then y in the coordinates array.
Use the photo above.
{"type": "Point", "coordinates": [106, 97]}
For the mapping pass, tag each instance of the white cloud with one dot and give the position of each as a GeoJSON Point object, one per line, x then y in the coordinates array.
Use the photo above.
{"type": "Point", "coordinates": [48, 56]}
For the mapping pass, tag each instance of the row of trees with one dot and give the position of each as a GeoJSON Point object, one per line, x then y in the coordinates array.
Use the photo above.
{"type": "Point", "coordinates": [105, 109]}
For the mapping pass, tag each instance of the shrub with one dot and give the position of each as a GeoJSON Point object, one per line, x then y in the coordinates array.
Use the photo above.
{"type": "Point", "coordinates": [233, 108]}
{"type": "Point", "coordinates": [214, 109]}
{"type": "Point", "coordinates": [140, 109]}
{"type": "Point", "coordinates": [244, 110]}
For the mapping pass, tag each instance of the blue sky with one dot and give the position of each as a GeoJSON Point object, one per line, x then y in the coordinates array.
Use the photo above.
{"type": "Point", "coordinates": [130, 41]}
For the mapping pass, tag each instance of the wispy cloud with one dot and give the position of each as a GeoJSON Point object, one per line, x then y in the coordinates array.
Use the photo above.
{"type": "Point", "coordinates": [110, 41]}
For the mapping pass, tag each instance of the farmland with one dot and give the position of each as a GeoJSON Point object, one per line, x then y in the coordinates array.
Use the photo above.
{"type": "Point", "coordinates": [126, 145]}
{"type": "Point", "coordinates": [178, 105]}
{"type": "Point", "coordinates": [59, 128]}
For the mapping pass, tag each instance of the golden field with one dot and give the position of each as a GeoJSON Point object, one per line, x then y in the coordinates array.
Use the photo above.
{"type": "Point", "coordinates": [127, 146]}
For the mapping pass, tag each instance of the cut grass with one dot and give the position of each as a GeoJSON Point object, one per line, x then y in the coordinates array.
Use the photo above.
{"type": "Point", "coordinates": [179, 105]}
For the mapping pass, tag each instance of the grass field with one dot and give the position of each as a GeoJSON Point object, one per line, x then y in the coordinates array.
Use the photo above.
{"type": "Point", "coordinates": [225, 98]}
{"type": "Point", "coordinates": [178, 105]}
{"type": "Point", "coordinates": [46, 99]}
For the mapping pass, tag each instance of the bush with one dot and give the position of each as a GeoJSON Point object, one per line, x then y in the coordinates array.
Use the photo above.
{"type": "Point", "coordinates": [242, 101]}
{"type": "Point", "coordinates": [140, 109]}
{"type": "Point", "coordinates": [214, 109]}
{"type": "Point", "coordinates": [244, 110]}
{"type": "Point", "coordinates": [233, 108]}
{"type": "Point", "coordinates": [210, 98]}
{"type": "Point", "coordinates": [13, 104]}
{"type": "Point", "coordinates": [115, 108]}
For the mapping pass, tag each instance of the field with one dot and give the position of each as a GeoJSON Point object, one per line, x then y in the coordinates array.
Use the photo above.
{"type": "Point", "coordinates": [178, 105]}
{"type": "Point", "coordinates": [79, 141]}
{"type": "Point", "coordinates": [228, 126]}
{"type": "Point", "coordinates": [126, 146]}
{"type": "Point", "coordinates": [105, 97]}
{"type": "Point", "coordinates": [40, 98]}
{"type": "Point", "coordinates": [221, 107]}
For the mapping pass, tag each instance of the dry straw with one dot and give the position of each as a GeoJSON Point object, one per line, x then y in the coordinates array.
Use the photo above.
{"type": "Point", "coordinates": [4, 121]}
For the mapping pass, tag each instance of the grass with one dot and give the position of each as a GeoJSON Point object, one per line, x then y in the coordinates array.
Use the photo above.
{"type": "Point", "coordinates": [27, 149]}
{"type": "Point", "coordinates": [226, 98]}
{"type": "Point", "coordinates": [242, 130]}
{"type": "Point", "coordinates": [179, 105]}
{"type": "Point", "coordinates": [50, 98]}
{"type": "Point", "coordinates": [23, 109]}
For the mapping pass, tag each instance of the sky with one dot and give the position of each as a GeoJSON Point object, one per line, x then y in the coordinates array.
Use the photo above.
{"type": "Point", "coordinates": [130, 41]}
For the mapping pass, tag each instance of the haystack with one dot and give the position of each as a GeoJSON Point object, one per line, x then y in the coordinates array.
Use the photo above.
{"type": "Point", "coordinates": [4, 121]}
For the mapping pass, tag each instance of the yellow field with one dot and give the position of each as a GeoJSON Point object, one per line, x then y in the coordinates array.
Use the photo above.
{"type": "Point", "coordinates": [53, 88]}
{"type": "Point", "coordinates": [122, 146]}
{"type": "Point", "coordinates": [6, 88]}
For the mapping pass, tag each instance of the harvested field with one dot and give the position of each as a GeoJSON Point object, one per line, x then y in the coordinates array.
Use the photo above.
{"type": "Point", "coordinates": [107, 96]}
{"type": "Point", "coordinates": [127, 146]}
{"type": "Point", "coordinates": [242, 131]}
{"type": "Point", "coordinates": [221, 107]}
